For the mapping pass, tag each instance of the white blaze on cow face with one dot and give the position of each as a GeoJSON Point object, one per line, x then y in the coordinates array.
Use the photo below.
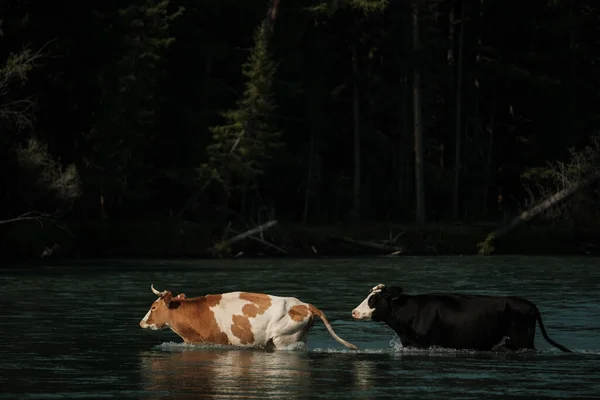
{"type": "Point", "coordinates": [157, 317]}
{"type": "Point", "coordinates": [363, 311]}
{"type": "Point", "coordinates": [144, 322]}
{"type": "Point", "coordinates": [150, 320]}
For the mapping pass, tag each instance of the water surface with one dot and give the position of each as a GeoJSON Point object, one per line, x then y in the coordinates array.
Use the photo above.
{"type": "Point", "coordinates": [71, 331]}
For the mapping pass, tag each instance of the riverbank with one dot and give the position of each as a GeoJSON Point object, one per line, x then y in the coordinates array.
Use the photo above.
{"type": "Point", "coordinates": [172, 239]}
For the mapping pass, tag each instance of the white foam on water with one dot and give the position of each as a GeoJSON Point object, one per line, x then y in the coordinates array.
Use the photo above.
{"type": "Point", "coordinates": [395, 347]}
{"type": "Point", "coordinates": [348, 351]}
{"type": "Point", "coordinates": [182, 346]}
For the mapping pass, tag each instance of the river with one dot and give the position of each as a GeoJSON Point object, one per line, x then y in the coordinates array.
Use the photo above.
{"type": "Point", "coordinates": [71, 330]}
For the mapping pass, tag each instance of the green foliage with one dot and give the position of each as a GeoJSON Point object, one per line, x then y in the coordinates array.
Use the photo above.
{"type": "Point", "coordinates": [542, 182]}
{"type": "Point", "coordinates": [42, 174]}
{"type": "Point", "coordinates": [123, 127]}
{"type": "Point", "coordinates": [133, 93]}
{"type": "Point", "coordinates": [330, 7]}
{"type": "Point", "coordinates": [486, 247]}
{"type": "Point", "coordinates": [17, 112]}
{"type": "Point", "coordinates": [580, 164]}
{"type": "Point", "coordinates": [242, 146]}
{"type": "Point", "coordinates": [36, 177]}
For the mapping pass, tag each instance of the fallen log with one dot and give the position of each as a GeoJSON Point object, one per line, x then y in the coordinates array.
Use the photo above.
{"type": "Point", "coordinates": [228, 242]}
{"type": "Point", "coordinates": [486, 247]}
{"type": "Point", "coordinates": [369, 245]}
{"type": "Point", "coordinates": [268, 244]}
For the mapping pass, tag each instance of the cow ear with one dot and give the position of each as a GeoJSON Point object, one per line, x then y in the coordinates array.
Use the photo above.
{"type": "Point", "coordinates": [174, 304]}
{"type": "Point", "coordinates": [181, 296]}
{"type": "Point", "coordinates": [170, 302]}
{"type": "Point", "coordinates": [395, 292]}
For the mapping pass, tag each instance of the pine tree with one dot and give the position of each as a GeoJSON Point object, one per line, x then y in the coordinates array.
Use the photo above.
{"type": "Point", "coordinates": [244, 143]}
{"type": "Point", "coordinates": [123, 127]}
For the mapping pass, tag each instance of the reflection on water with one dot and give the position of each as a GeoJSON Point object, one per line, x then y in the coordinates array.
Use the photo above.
{"type": "Point", "coordinates": [210, 373]}
{"type": "Point", "coordinates": [198, 372]}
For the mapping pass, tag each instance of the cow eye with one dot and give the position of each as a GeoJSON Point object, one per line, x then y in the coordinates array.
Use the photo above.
{"type": "Point", "coordinates": [153, 308]}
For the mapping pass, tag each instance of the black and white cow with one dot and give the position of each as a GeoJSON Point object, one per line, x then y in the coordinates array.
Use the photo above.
{"type": "Point", "coordinates": [455, 320]}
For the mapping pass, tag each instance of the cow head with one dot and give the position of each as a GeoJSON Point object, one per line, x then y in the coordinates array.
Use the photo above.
{"type": "Point", "coordinates": [158, 315]}
{"type": "Point", "coordinates": [376, 305]}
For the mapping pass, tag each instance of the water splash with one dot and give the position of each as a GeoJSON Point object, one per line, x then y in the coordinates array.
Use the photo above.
{"type": "Point", "coordinates": [395, 348]}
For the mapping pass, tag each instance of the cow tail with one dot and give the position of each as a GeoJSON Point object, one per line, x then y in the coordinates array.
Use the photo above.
{"type": "Point", "coordinates": [321, 315]}
{"type": "Point", "coordinates": [545, 335]}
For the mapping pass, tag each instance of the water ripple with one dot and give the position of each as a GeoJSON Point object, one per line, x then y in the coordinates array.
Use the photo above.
{"type": "Point", "coordinates": [73, 332]}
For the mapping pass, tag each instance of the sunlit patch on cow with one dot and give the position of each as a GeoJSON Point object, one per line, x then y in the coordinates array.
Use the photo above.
{"type": "Point", "coordinates": [236, 318]}
{"type": "Point", "coordinates": [299, 313]}
{"type": "Point", "coordinates": [259, 303]}
{"type": "Point", "coordinates": [242, 329]}
{"type": "Point", "coordinates": [455, 320]}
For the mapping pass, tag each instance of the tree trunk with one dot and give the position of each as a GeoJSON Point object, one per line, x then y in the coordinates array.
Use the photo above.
{"type": "Point", "coordinates": [271, 17]}
{"type": "Point", "coordinates": [486, 246]}
{"type": "Point", "coordinates": [405, 155]}
{"type": "Point", "coordinates": [244, 199]}
{"type": "Point", "coordinates": [356, 111]}
{"type": "Point", "coordinates": [458, 116]}
{"type": "Point", "coordinates": [311, 156]}
{"type": "Point", "coordinates": [490, 147]}
{"type": "Point", "coordinates": [417, 121]}
{"type": "Point", "coordinates": [103, 214]}
{"type": "Point", "coordinates": [450, 93]}
{"type": "Point", "coordinates": [489, 127]}
{"type": "Point", "coordinates": [573, 120]}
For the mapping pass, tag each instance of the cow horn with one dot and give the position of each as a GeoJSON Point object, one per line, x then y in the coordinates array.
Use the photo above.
{"type": "Point", "coordinates": [156, 292]}
{"type": "Point", "coordinates": [378, 288]}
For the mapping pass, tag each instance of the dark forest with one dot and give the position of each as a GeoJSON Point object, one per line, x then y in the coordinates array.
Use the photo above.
{"type": "Point", "coordinates": [162, 128]}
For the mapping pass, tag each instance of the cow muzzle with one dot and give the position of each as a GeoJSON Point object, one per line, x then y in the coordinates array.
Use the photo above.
{"type": "Point", "coordinates": [356, 314]}
{"type": "Point", "coordinates": [145, 325]}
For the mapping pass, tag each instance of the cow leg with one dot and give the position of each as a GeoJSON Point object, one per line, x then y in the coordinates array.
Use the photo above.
{"type": "Point", "coordinates": [503, 345]}
{"type": "Point", "coordinates": [521, 326]}
{"type": "Point", "coordinates": [522, 334]}
{"type": "Point", "coordinates": [284, 341]}
{"type": "Point", "coordinates": [297, 335]}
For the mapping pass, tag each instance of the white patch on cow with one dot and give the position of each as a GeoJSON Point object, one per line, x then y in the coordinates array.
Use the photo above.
{"type": "Point", "coordinates": [363, 311]}
{"type": "Point", "coordinates": [144, 324]}
{"type": "Point", "coordinates": [274, 325]}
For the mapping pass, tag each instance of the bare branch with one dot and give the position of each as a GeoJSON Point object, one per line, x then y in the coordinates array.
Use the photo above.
{"type": "Point", "coordinates": [37, 217]}
{"type": "Point", "coordinates": [12, 73]}
{"type": "Point", "coordinates": [237, 141]}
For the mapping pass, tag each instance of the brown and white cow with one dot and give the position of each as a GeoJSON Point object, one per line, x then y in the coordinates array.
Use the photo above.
{"type": "Point", "coordinates": [236, 318]}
